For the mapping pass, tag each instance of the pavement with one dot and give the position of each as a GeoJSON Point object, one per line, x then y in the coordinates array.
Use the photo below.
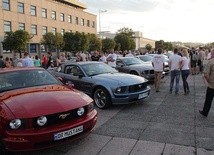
{"type": "Point", "coordinates": [163, 124]}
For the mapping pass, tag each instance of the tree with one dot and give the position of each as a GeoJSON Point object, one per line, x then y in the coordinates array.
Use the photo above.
{"type": "Point", "coordinates": [94, 42]}
{"type": "Point", "coordinates": [163, 45]}
{"type": "Point", "coordinates": [108, 44]}
{"type": "Point", "coordinates": [53, 42]}
{"type": "Point", "coordinates": [148, 47]}
{"type": "Point", "coordinates": [125, 30]}
{"type": "Point", "coordinates": [16, 41]}
{"type": "Point", "coordinates": [124, 38]}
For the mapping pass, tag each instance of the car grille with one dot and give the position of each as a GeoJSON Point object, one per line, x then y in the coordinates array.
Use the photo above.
{"type": "Point", "coordinates": [59, 118]}
{"type": "Point", "coordinates": [137, 87]}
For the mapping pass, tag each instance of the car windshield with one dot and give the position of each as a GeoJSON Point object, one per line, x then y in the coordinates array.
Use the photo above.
{"type": "Point", "coordinates": [97, 68]}
{"type": "Point", "coordinates": [132, 61]}
{"type": "Point", "coordinates": [146, 58]}
{"type": "Point", "coordinates": [23, 79]}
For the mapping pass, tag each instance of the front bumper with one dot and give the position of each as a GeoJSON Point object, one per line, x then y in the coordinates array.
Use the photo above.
{"type": "Point", "coordinates": [131, 97]}
{"type": "Point", "coordinates": [36, 139]}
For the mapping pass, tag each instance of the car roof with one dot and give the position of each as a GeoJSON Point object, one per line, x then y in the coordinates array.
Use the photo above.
{"type": "Point", "coordinates": [82, 62]}
{"type": "Point", "coordinates": [4, 70]}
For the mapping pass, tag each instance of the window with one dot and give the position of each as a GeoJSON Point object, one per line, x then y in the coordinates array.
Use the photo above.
{"type": "Point", "coordinates": [82, 22]}
{"type": "Point", "coordinates": [21, 26]}
{"type": "Point", "coordinates": [32, 48]}
{"type": "Point", "coordinates": [33, 10]}
{"type": "Point", "coordinates": [93, 24]}
{"type": "Point", "coordinates": [62, 18]}
{"type": "Point", "coordinates": [53, 15]}
{"type": "Point", "coordinates": [62, 31]}
{"type": "Point", "coordinates": [54, 30]}
{"type": "Point", "coordinates": [44, 13]}
{"type": "Point", "coordinates": [7, 26]}
{"type": "Point", "coordinates": [44, 30]}
{"type": "Point", "coordinates": [88, 23]}
{"type": "Point", "coordinates": [6, 5]}
{"type": "Point", "coordinates": [77, 20]}
{"type": "Point", "coordinates": [20, 7]}
{"type": "Point", "coordinates": [34, 29]}
{"type": "Point", "coordinates": [69, 19]}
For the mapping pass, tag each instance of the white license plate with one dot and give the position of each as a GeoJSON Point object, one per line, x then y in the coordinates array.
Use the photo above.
{"type": "Point", "coordinates": [143, 95]}
{"type": "Point", "coordinates": [68, 133]}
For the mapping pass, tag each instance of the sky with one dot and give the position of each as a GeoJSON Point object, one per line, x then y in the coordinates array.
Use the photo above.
{"type": "Point", "coordinates": [168, 20]}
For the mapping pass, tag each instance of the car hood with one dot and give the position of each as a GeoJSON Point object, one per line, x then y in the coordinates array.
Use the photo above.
{"type": "Point", "coordinates": [145, 66]}
{"type": "Point", "coordinates": [34, 102]}
{"type": "Point", "coordinates": [121, 78]}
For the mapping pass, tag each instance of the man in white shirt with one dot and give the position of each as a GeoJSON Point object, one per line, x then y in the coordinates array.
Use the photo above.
{"type": "Point", "coordinates": [174, 66]}
{"type": "Point", "coordinates": [27, 61]}
{"type": "Point", "coordinates": [158, 64]}
{"type": "Point", "coordinates": [111, 59]}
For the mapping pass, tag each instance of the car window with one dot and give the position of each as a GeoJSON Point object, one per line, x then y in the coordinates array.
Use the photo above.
{"type": "Point", "coordinates": [97, 68]}
{"type": "Point", "coordinates": [119, 62]}
{"type": "Point", "coordinates": [23, 79]}
{"type": "Point", "coordinates": [73, 70]}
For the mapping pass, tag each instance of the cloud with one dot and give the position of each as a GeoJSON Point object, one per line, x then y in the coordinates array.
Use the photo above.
{"type": "Point", "coordinates": [121, 5]}
{"type": "Point", "coordinates": [170, 20]}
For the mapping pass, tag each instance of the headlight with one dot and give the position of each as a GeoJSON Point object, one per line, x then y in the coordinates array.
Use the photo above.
{"type": "Point", "coordinates": [80, 111]}
{"type": "Point", "coordinates": [15, 124]}
{"type": "Point", "coordinates": [120, 90]}
{"type": "Point", "coordinates": [41, 121]}
{"type": "Point", "coordinates": [90, 107]}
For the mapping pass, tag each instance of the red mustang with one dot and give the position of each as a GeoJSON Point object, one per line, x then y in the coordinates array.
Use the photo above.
{"type": "Point", "coordinates": [37, 111]}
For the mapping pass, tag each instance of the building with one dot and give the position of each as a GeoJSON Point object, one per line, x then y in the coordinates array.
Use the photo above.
{"type": "Point", "coordinates": [41, 16]}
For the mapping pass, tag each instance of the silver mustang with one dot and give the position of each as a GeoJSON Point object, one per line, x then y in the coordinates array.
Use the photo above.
{"type": "Point", "coordinates": [135, 66]}
{"type": "Point", "coordinates": [103, 83]}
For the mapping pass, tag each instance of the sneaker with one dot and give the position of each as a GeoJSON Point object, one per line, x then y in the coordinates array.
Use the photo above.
{"type": "Point", "coordinates": [176, 93]}
{"type": "Point", "coordinates": [202, 113]}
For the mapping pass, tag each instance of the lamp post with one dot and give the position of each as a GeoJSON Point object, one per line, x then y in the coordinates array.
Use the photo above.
{"type": "Point", "coordinates": [100, 11]}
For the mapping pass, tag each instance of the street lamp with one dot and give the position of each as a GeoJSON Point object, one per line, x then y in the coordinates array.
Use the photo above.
{"type": "Point", "coordinates": [100, 11]}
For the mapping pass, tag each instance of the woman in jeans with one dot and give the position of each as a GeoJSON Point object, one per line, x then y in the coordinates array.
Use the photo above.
{"type": "Point", "coordinates": [185, 70]}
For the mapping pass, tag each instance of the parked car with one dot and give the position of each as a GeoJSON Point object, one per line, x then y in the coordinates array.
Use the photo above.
{"type": "Point", "coordinates": [103, 83]}
{"type": "Point", "coordinates": [149, 57]}
{"type": "Point", "coordinates": [135, 66]}
{"type": "Point", "coordinates": [38, 111]}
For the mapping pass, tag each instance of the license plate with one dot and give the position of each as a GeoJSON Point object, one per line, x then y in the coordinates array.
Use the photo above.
{"type": "Point", "coordinates": [68, 133]}
{"type": "Point", "coordinates": [143, 95]}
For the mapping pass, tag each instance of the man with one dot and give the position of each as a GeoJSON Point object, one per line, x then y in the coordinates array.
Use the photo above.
{"type": "Point", "coordinates": [201, 57]}
{"type": "Point", "coordinates": [158, 64]}
{"type": "Point", "coordinates": [111, 59]}
{"type": "Point", "coordinates": [27, 61]}
{"type": "Point", "coordinates": [174, 66]}
{"type": "Point", "coordinates": [209, 77]}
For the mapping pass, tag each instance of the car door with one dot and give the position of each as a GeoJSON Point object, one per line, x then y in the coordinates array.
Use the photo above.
{"type": "Point", "coordinates": [121, 66]}
{"type": "Point", "coordinates": [74, 74]}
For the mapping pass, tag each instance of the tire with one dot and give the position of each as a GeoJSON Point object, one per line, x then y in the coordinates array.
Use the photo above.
{"type": "Point", "coordinates": [134, 73]}
{"type": "Point", "coordinates": [101, 98]}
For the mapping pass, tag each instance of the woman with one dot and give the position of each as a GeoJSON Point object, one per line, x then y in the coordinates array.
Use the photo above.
{"type": "Point", "coordinates": [37, 61]}
{"type": "Point", "coordinates": [185, 70]}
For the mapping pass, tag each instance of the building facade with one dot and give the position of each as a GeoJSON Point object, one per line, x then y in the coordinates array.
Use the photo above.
{"type": "Point", "coordinates": [38, 17]}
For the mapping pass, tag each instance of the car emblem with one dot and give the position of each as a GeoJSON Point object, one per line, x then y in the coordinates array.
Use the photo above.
{"type": "Point", "coordinates": [140, 86]}
{"type": "Point", "coordinates": [63, 116]}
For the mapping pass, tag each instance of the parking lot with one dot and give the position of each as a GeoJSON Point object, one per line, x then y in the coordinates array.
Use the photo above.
{"type": "Point", "coordinates": [162, 124]}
